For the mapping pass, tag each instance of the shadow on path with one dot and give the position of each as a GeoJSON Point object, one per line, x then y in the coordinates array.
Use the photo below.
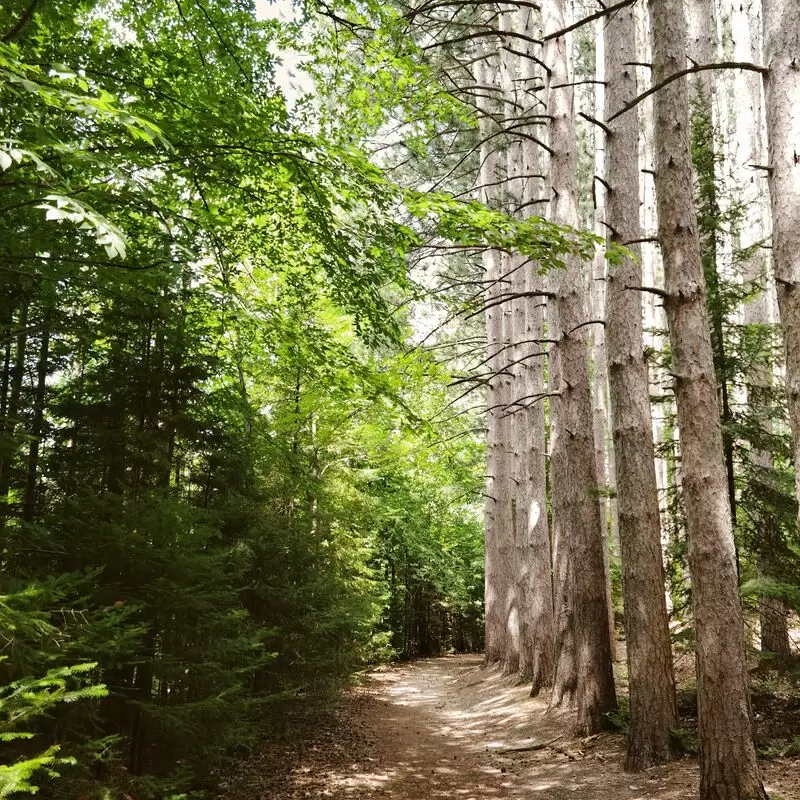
{"type": "Point", "coordinates": [447, 728]}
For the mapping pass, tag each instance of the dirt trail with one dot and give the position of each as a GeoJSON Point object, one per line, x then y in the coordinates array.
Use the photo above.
{"type": "Point", "coordinates": [446, 728]}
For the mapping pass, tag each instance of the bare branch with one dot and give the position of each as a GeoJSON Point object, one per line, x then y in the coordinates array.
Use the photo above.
{"type": "Point", "coordinates": [484, 378]}
{"type": "Point", "coordinates": [603, 182]}
{"type": "Point", "coordinates": [578, 83]}
{"type": "Point", "coordinates": [433, 5]}
{"type": "Point", "coordinates": [597, 122]}
{"type": "Point", "coordinates": [481, 34]}
{"type": "Point", "coordinates": [584, 324]}
{"type": "Point", "coordinates": [591, 18]}
{"type": "Point", "coordinates": [682, 73]}
{"type": "Point", "coordinates": [643, 240]}
{"type": "Point", "coordinates": [509, 346]}
{"type": "Point", "coordinates": [505, 297]}
{"type": "Point", "coordinates": [532, 57]}
{"type": "Point", "coordinates": [533, 398]}
{"type": "Point", "coordinates": [650, 289]}
{"type": "Point", "coordinates": [530, 203]}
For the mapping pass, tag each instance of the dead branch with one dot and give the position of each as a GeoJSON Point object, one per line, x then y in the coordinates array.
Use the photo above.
{"type": "Point", "coordinates": [682, 73]}
{"type": "Point", "coordinates": [604, 12]}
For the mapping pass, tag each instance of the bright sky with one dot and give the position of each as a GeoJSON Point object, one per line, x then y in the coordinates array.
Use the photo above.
{"type": "Point", "coordinates": [274, 9]}
{"type": "Point", "coordinates": [288, 75]}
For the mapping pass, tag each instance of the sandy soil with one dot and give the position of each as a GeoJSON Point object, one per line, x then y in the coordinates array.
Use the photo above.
{"type": "Point", "coordinates": [447, 728]}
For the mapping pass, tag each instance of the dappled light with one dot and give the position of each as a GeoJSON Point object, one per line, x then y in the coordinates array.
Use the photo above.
{"type": "Point", "coordinates": [450, 728]}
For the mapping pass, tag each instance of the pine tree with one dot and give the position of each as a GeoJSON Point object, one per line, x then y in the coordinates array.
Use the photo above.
{"type": "Point", "coordinates": [583, 675]}
{"type": "Point", "coordinates": [653, 713]}
{"type": "Point", "coordinates": [728, 767]}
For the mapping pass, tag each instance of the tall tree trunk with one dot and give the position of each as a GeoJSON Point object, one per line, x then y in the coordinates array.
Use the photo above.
{"type": "Point", "coordinates": [653, 275]}
{"type": "Point", "coordinates": [782, 104]}
{"type": "Point", "coordinates": [750, 149]}
{"type": "Point", "coordinates": [5, 379]}
{"type": "Point", "coordinates": [512, 377]}
{"type": "Point", "coordinates": [584, 674]}
{"type": "Point", "coordinates": [115, 450]}
{"type": "Point", "coordinates": [700, 49]}
{"type": "Point", "coordinates": [652, 685]}
{"type": "Point", "coordinates": [9, 423]}
{"type": "Point", "coordinates": [500, 582]}
{"type": "Point", "coordinates": [597, 297]}
{"type": "Point", "coordinates": [728, 768]}
{"type": "Point", "coordinates": [533, 537]}
{"type": "Point", "coordinates": [29, 503]}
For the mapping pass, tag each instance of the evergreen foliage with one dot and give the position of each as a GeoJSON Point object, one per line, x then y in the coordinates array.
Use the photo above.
{"type": "Point", "coordinates": [213, 486]}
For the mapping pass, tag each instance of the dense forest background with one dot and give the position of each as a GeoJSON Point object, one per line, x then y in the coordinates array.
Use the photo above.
{"type": "Point", "coordinates": [220, 487]}
{"type": "Point", "coordinates": [279, 352]}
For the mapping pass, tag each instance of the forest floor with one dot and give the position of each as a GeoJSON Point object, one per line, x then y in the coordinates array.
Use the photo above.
{"type": "Point", "coordinates": [448, 728]}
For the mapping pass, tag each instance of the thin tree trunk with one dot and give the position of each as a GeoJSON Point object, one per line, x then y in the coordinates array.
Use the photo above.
{"type": "Point", "coordinates": [29, 503]}
{"type": "Point", "coordinates": [728, 767]}
{"type": "Point", "coordinates": [653, 275]}
{"type": "Point", "coordinates": [116, 435]}
{"type": "Point", "coordinates": [9, 423]}
{"type": "Point", "coordinates": [5, 380]}
{"type": "Point", "coordinates": [701, 31]}
{"type": "Point", "coordinates": [782, 103]}
{"type": "Point", "coordinates": [652, 685]}
{"type": "Point", "coordinates": [584, 674]}
{"type": "Point", "coordinates": [750, 149]}
{"type": "Point", "coordinates": [597, 297]}
{"type": "Point", "coordinates": [512, 380]}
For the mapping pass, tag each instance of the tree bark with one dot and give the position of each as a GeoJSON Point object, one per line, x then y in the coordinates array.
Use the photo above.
{"type": "Point", "coordinates": [700, 49]}
{"type": "Point", "coordinates": [500, 582]}
{"type": "Point", "coordinates": [655, 324]}
{"type": "Point", "coordinates": [604, 451]}
{"type": "Point", "coordinates": [510, 378]}
{"type": "Point", "coordinates": [584, 674]}
{"type": "Point", "coordinates": [29, 504]}
{"type": "Point", "coordinates": [653, 712]}
{"type": "Point", "coordinates": [728, 768]}
{"type": "Point", "coordinates": [9, 423]}
{"type": "Point", "coordinates": [535, 587]}
{"type": "Point", "coordinates": [782, 104]}
{"type": "Point", "coordinates": [750, 149]}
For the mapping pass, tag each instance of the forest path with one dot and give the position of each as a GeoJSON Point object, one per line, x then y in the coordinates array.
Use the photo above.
{"type": "Point", "coordinates": [447, 728]}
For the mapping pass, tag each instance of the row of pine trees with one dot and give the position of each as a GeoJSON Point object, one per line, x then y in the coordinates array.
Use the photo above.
{"type": "Point", "coordinates": [667, 129]}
